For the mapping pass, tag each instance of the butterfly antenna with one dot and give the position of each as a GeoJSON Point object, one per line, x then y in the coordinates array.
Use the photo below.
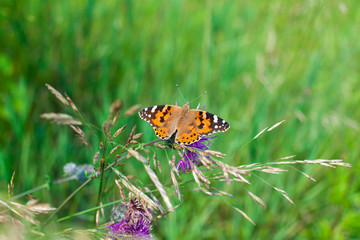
{"type": "Point", "coordinates": [198, 96]}
{"type": "Point", "coordinates": [178, 88]}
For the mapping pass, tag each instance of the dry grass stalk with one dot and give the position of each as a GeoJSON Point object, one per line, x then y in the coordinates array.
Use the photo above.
{"type": "Point", "coordinates": [120, 190]}
{"type": "Point", "coordinates": [132, 110]}
{"type": "Point", "coordinates": [119, 131]}
{"type": "Point", "coordinates": [159, 186]}
{"type": "Point", "coordinates": [136, 136]}
{"type": "Point", "coordinates": [268, 169]}
{"type": "Point", "coordinates": [114, 112]}
{"type": "Point", "coordinates": [101, 210]}
{"type": "Point", "coordinates": [235, 171]}
{"type": "Point", "coordinates": [154, 160]}
{"type": "Point", "coordinates": [131, 134]}
{"type": "Point", "coordinates": [160, 146]}
{"type": "Point", "coordinates": [159, 167]}
{"type": "Point", "coordinates": [327, 165]}
{"type": "Point", "coordinates": [107, 128]}
{"type": "Point", "coordinates": [257, 199]}
{"type": "Point", "coordinates": [139, 194]}
{"type": "Point", "coordinates": [224, 170]}
{"type": "Point", "coordinates": [28, 211]}
{"type": "Point", "coordinates": [275, 125]}
{"type": "Point", "coordinates": [288, 157]}
{"type": "Point", "coordinates": [14, 210]}
{"type": "Point", "coordinates": [340, 163]}
{"type": "Point", "coordinates": [115, 118]}
{"type": "Point", "coordinates": [200, 174]}
{"type": "Point", "coordinates": [195, 176]}
{"type": "Point", "coordinates": [288, 198]}
{"type": "Point", "coordinates": [116, 106]}
{"type": "Point", "coordinates": [206, 191]}
{"type": "Point", "coordinates": [61, 118]}
{"type": "Point", "coordinates": [205, 161]}
{"type": "Point", "coordinates": [222, 193]}
{"type": "Point", "coordinates": [245, 216]}
{"type": "Point", "coordinates": [327, 162]}
{"type": "Point", "coordinates": [96, 157]}
{"type": "Point", "coordinates": [167, 212]}
{"type": "Point", "coordinates": [238, 175]}
{"type": "Point", "coordinates": [273, 170]}
{"type": "Point", "coordinates": [57, 94]}
{"type": "Point", "coordinates": [261, 132]}
{"type": "Point", "coordinates": [72, 104]}
{"type": "Point", "coordinates": [133, 142]}
{"type": "Point", "coordinates": [84, 141]}
{"type": "Point", "coordinates": [36, 207]}
{"type": "Point", "coordinates": [312, 179]}
{"type": "Point", "coordinates": [214, 153]}
{"type": "Point", "coordinates": [156, 201]}
{"type": "Point", "coordinates": [115, 149]}
{"type": "Point", "coordinates": [97, 217]}
{"type": "Point", "coordinates": [137, 155]}
{"type": "Point", "coordinates": [176, 186]}
{"type": "Point", "coordinates": [248, 165]}
{"type": "Point", "coordinates": [11, 186]}
{"type": "Point", "coordinates": [173, 165]}
{"type": "Point", "coordinates": [280, 190]}
{"type": "Point", "coordinates": [78, 130]}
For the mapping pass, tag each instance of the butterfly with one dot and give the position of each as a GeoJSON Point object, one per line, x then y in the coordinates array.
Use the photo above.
{"type": "Point", "coordinates": [184, 124]}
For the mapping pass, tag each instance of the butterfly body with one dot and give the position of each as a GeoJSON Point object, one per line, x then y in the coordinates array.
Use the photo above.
{"type": "Point", "coordinates": [187, 125]}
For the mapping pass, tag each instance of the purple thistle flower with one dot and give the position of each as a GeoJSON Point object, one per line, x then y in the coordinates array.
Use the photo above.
{"type": "Point", "coordinates": [135, 223]}
{"type": "Point", "coordinates": [203, 144]}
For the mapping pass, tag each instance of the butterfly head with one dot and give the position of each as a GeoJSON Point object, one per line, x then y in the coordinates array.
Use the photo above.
{"type": "Point", "coordinates": [186, 105]}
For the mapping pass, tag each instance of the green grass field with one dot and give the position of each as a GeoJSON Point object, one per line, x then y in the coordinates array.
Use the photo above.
{"type": "Point", "coordinates": [260, 62]}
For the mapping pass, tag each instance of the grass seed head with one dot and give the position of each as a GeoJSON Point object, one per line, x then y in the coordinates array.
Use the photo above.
{"type": "Point", "coordinates": [119, 131]}
{"type": "Point", "coordinates": [159, 186]}
{"type": "Point", "coordinates": [257, 199]}
{"type": "Point", "coordinates": [61, 118]}
{"type": "Point", "coordinates": [275, 125]}
{"type": "Point", "coordinates": [72, 104]}
{"type": "Point", "coordinates": [115, 107]}
{"type": "Point", "coordinates": [132, 110]}
{"type": "Point", "coordinates": [96, 157]}
{"type": "Point", "coordinates": [57, 94]}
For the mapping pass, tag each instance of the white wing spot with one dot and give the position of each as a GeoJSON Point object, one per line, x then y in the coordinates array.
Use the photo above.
{"type": "Point", "coordinates": [145, 109]}
{"type": "Point", "coordinates": [216, 126]}
{"type": "Point", "coordinates": [215, 119]}
{"type": "Point", "coordinates": [153, 109]}
{"type": "Point", "coordinates": [223, 121]}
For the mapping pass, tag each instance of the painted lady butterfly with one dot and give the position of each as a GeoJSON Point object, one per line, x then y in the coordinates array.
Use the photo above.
{"type": "Point", "coordinates": [185, 124]}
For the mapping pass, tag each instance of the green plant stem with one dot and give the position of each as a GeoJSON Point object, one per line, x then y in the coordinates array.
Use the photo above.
{"type": "Point", "coordinates": [102, 169]}
{"type": "Point", "coordinates": [66, 201]}
{"type": "Point", "coordinates": [43, 186]}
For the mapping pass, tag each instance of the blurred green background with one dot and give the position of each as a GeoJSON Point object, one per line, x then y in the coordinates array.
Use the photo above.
{"type": "Point", "coordinates": [259, 61]}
